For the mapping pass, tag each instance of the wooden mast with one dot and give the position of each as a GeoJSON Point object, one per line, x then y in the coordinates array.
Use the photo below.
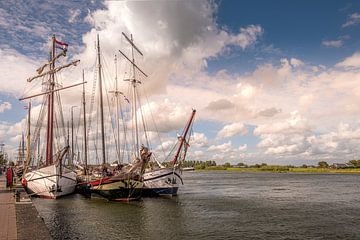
{"type": "Point", "coordinates": [137, 149]}
{"type": "Point", "coordinates": [134, 82]}
{"type": "Point", "coordinates": [101, 104]}
{"type": "Point", "coordinates": [117, 94]}
{"type": "Point", "coordinates": [84, 119]}
{"type": "Point", "coordinates": [50, 97]}
{"type": "Point", "coordinates": [50, 119]}
{"type": "Point", "coordinates": [187, 127]}
{"type": "Point", "coordinates": [28, 149]}
{"type": "Point", "coordinates": [72, 135]}
{"type": "Point", "coordinates": [117, 110]}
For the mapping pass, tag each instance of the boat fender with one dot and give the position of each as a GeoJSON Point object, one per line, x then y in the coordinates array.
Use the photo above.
{"type": "Point", "coordinates": [24, 182]}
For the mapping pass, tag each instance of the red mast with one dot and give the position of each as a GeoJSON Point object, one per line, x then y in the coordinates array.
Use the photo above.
{"type": "Point", "coordinates": [50, 119]}
{"type": "Point", "coordinates": [186, 130]}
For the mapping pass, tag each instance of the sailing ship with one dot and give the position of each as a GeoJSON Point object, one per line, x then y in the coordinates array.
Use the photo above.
{"type": "Point", "coordinates": [49, 179]}
{"type": "Point", "coordinates": [165, 181]}
{"type": "Point", "coordinates": [136, 179]}
{"type": "Point", "coordinates": [124, 185]}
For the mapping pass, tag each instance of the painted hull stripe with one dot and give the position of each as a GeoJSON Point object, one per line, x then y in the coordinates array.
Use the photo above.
{"type": "Point", "coordinates": [108, 181]}
{"type": "Point", "coordinates": [55, 175]}
{"type": "Point", "coordinates": [164, 175]}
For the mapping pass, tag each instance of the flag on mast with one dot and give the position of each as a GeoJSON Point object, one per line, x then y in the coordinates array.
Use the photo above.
{"type": "Point", "coordinates": [61, 45]}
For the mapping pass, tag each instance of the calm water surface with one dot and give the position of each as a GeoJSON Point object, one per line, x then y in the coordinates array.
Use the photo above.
{"type": "Point", "coordinates": [219, 205]}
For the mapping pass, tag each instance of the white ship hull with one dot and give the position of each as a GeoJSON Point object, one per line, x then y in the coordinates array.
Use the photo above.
{"type": "Point", "coordinates": [47, 182]}
{"type": "Point", "coordinates": [160, 182]}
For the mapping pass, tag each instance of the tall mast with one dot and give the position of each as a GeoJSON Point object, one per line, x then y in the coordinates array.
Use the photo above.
{"type": "Point", "coordinates": [50, 119]}
{"type": "Point", "coordinates": [101, 104]}
{"type": "Point", "coordinates": [117, 95]}
{"type": "Point", "coordinates": [50, 93]}
{"type": "Point", "coordinates": [134, 100]}
{"type": "Point", "coordinates": [84, 119]}
{"type": "Point", "coordinates": [68, 142]}
{"type": "Point", "coordinates": [134, 82]}
{"type": "Point", "coordinates": [183, 138]}
{"type": "Point", "coordinates": [72, 135]}
{"type": "Point", "coordinates": [117, 109]}
{"type": "Point", "coordinates": [22, 147]}
{"type": "Point", "coordinates": [28, 150]}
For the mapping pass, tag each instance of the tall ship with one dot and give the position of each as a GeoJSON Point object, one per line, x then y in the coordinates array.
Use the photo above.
{"type": "Point", "coordinates": [123, 184]}
{"type": "Point", "coordinates": [165, 181]}
{"type": "Point", "coordinates": [135, 170]}
{"type": "Point", "coordinates": [46, 175]}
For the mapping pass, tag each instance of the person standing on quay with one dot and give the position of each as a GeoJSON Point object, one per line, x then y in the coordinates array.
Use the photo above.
{"type": "Point", "coordinates": [9, 177]}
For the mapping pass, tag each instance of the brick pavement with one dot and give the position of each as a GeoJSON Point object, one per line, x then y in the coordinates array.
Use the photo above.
{"type": "Point", "coordinates": [8, 229]}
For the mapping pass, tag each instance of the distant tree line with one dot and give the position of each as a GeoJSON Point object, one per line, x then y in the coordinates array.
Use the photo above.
{"type": "Point", "coordinates": [211, 164]}
{"type": "Point", "coordinates": [354, 163]}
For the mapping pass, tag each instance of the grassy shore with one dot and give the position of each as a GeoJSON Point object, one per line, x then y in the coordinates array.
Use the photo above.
{"type": "Point", "coordinates": [285, 169]}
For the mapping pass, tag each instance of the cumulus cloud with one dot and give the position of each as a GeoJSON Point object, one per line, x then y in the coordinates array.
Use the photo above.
{"type": "Point", "coordinates": [199, 140]}
{"type": "Point", "coordinates": [332, 43]}
{"type": "Point", "coordinates": [164, 116]}
{"type": "Point", "coordinates": [296, 62]}
{"type": "Point", "coordinates": [294, 124]}
{"type": "Point", "coordinates": [247, 36]}
{"type": "Point", "coordinates": [220, 104]}
{"type": "Point", "coordinates": [350, 62]}
{"type": "Point", "coordinates": [287, 100]}
{"type": "Point", "coordinates": [12, 62]}
{"type": "Point", "coordinates": [243, 147]}
{"type": "Point", "coordinates": [232, 130]}
{"type": "Point", "coordinates": [4, 106]}
{"type": "Point", "coordinates": [353, 19]}
{"type": "Point", "coordinates": [225, 147]}
{"type": "Point", "coordinates": [269, 112]}
{"type": "Point", "coordinates": [73, 15]}
{"type": "Point", "coordinates": [176, 40]}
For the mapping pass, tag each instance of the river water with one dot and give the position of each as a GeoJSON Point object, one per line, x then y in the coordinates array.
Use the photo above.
{"type": "Point", "coordinates": [219, 205]}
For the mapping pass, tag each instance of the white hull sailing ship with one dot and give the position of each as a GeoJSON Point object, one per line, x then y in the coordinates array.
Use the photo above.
{"type": "Point", "coordinates": [161, 182]}
{"type": "Point", "coordinates": [166, 181]}
{"type": "Point", "coordinates": [50, 179]}
{"type": "Point", "coordinates": [50, 182]}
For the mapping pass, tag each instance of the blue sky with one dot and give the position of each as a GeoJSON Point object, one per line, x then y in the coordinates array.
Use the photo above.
{"type": "Point", "coordinates": [262, 74]}
{"type": "Point", "coordinates": [293, 28]}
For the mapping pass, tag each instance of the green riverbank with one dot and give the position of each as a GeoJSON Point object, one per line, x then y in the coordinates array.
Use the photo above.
{"type": "Point", "coordinates": [282, 169]}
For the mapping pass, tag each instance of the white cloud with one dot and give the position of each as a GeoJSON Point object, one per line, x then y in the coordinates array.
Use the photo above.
{"type": "Point", "coordinates": [220, 104]}
{"type": "Point", "coordinates": [288, 101]}
{"type": "Point", "coordinates": [232, 130]}
{"type": "Point", "coordinates": [73, 14]}
{"type": "Point", "coordinates": [225, 147]}
{"type": "Point", "coordinates": [165, 145]}
{"type": "Point", "coordinates": [352, 20]}
{"type": "Point", "coordinates": [164, 116]}
{"type": "Point", "coordinates": [247, 36]}
{"type": "Point", "coordinates": [4, 106]}
{"type": "Point", "coordinates": [333, 43]}
{"type": "Point", "coordinates": [296, 62]}
{"type": "Point", "coordinates": [16, 68]}
{"type": "Point", "coordinates": [294, 124]}
{"type": "Point", "coordinates": [243, 148]}
{"type": "Point", "coordinates": [246, 90]}
{"type": "Point", "coordinates": [269, 112]}
{"type": "Point", "coordinates": [199, 140]}
{"type": "Point", "coordinates": [350, 62]}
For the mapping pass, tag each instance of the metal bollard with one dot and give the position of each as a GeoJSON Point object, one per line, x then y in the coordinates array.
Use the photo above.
{"type": "Point", "coordinates": [17, 196]}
